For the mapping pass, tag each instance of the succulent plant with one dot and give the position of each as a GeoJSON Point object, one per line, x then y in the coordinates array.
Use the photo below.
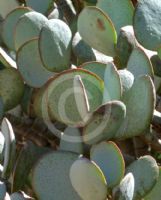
{"type": "Point", "coordinates": [80, 91]}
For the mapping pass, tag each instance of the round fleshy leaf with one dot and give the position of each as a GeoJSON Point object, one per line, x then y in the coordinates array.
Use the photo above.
{"type": "Point", "coordinates": [27, 158]}
{"type": "Point", "coordinates": [81, 98]}
{"type": "Point", "coordinates": [7, 6]}
{"type": "Point", "coordinates": [85, 53]}
{"type": "Point", "coordinates": [146, 173]}
{"type": "Point", "coordinates": [140, 103]}
{"type": "Point", "coordinates": [155, 193]}
{"type": "Point", "coordinates": [139, 63]}
{"type": "Point", "coordinates": [127, 79]}
{"type": "Point", "coordinates": [120, 12]}
{"type": "Point", "coordinates": [97, 68]}
{"type": "Point", "coordinates": [3, 190]}
{"type": "Point", "coordinates": [106, 120]}
{"type": "Point", "coordinates": [40, 6]}
{"type": "Point", "coordinates": [113, 89]}
{"type": "Point", "coordinates": [10, 148]}
{"type": "Point", "coordinates": [28, 27]}
{"type": "Point", "coordinates": [55, 45]}
{"type": "Point", "coordinates": [61, 96]}
{"type": "Point", "coordinates": [125, 43]}
{"type": "Point", "coordinates": [30, 65]}
{"type": "Point", "coordinates": [9, 25]}
{"type": "Point", "coordinates": [71, 140]}
{"type": "Point", "coordinates": [147, 26]}
{"type": "Point", "coordinates": [125, 190]}
{"type": "Point", "coordinates": [103, 38]}
{"type": "Point", "coordinates": [6, 59]}
{"type": "Point", "coordinates": [82, 50]}
{"type": "Point", "coordinates": [88, 180]}
{"type": "Point", "coordinates": [11, 88]}
{"type": "Point", "coordinates": [50, 178]}
{"type": "Point", "coordinates": [108, 73]}
{"type": "Point", "coordinates": [110, 160]}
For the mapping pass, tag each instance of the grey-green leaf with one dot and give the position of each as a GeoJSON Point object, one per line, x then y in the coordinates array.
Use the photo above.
{"type": "Point", "coordinates": [105, 122]}
{"type": "Point", "coordinates": [103, 38]}
{"type": "Point", "coordinates": [7, 6]}
{"type": "Point", "coordinates": [139, 63]}
{"type": "Point", "coordinates": [140, 103]}
{"type": "Point", "coordinates": [28, 27]}
{"type": "Point", "coordinates": [108, 73]}
{"type": "Point", "coordinates": [110, 160]}
{"type": "Point", "coordinates": [30, 65]}
{"type": "Point", "coordinates": [71, 140]}
{"type": "Point", "coordinates": [120, 12]}
{"type": "Point", "coordinates": [155, 193]}
{"type": "Point", "coordinates": [50, 178]}
{"type": "Point", "coordinates": [146, 173]}
{"type": "Point", "coordinates": [85, 53]}
{"type": "Point", "coordinates": [147, 26]}
{"type": "Point", "coordinates": [55, 45]}
{"type": "Point", "coordinates": [127, 80]}
{"type": "Point", "coordinates": [125, 44]}
{"type": "Point", "coordinates": [9, 24]}
{"type": "Point", "coordinates": [113, 88]}
{"type": "Point", "coordinates": [40, 6]}
{"type": "Point", "coordinates": [60, 94]}
{"type": "Point", "coordinates": [88, 180]}
{"type": "Point", "coordinates": [82, 50]}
